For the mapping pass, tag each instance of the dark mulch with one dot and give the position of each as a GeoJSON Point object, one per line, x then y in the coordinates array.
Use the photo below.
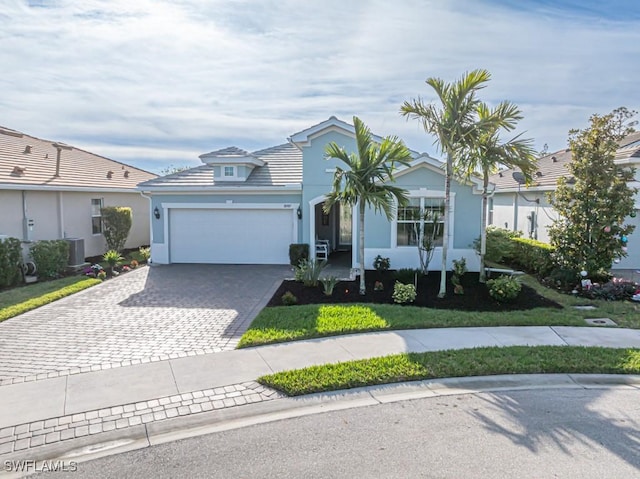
{"type": "Point", "coordinates": [475, 298]}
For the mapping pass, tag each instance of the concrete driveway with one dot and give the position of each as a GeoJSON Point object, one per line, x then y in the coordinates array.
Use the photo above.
{"type": "Point", "coordinates": [151, 314]}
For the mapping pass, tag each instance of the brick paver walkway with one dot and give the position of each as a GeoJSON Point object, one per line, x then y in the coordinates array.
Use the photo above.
{"type": "Point", "coordinates": [150, 314]}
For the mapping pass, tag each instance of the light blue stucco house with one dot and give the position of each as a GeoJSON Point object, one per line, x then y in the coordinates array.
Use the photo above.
{"type": "Point", "coordinates": [247, 208]}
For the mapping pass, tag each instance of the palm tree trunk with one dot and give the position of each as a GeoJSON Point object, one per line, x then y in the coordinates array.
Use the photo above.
{"type": "Point", "coordinates": [445, 231]}
{"type": "Point", "coordinates": [483, 227]}
{"type": "Point", "coordinates": [363, 289]}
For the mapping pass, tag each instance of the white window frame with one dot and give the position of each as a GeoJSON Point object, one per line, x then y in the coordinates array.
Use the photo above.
{"type": "Point", "coordinates": [101, 204]}
{"type": "Point", "coordinates": [234, 172]}
{"type": "Point", "coordinates": [423, 194]}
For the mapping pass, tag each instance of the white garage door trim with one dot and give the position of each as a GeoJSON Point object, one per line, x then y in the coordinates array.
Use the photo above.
{"type": "Point", "coordinates": [166, 207]}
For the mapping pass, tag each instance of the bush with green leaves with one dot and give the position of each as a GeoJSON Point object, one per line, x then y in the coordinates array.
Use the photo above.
{"type": "Point", "coordinates": [499, 244]}
{"type": "Point", "coordinates": [459, 270]}
{"type": "Point", "coordinates": [289, 299]}
{"type": "Point", "coordinates": [328, 283]}
{"type": "Point", "coordinates": [10, 262]}
{"type": "Point", "coordinates": [117, 221]}
{"type": "Point", "coordinates": [406, 275]}
{"type": "Point", "coordinates": [113, 259]}
{"type": "Point", "coordinates": [51, 257]}
{"type": "Point", "coordinates": [381, 264]}
{"type": "Point", "coordinates": [533, 256]}
{"type": "Point", "coordinates": [617, 289]}
{"type": "Point", "coordinates": [504, 289]}
{"type": "Point", "coordinates": [404, 293]}
{"type": "Point", "coordinates": [298, 252]}
{"type": "Point", "coordinates": [308, 271]}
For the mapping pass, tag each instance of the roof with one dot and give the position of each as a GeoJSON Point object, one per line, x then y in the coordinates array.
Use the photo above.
{"type": "Point", "coordinates": [282, 167]}
{"type": "Point", "coordinates": [554, 165]}
{"type": "Point", "coordinates": [27, 162]}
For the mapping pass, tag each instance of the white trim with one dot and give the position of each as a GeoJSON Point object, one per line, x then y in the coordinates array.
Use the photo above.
{"type": "Point", "coordinates": [312, 222]}
{"type": "Point", "coordinates": [249, 190]}
{"type": "Point", "coordinates": [89, 189]}
{"type": "Point", "coordinates": [426, 161]}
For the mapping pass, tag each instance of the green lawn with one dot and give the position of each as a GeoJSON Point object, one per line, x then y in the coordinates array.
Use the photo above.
{"type": "Point", "coordinates": [290, 323]}
{"type": "Point", "coordinates": [20, 300]}
{"type": "Point", "coordinates": [455, 363]}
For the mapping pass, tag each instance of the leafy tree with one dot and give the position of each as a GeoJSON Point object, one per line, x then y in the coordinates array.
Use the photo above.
{"type": "Point", "coordinates": [367, 179]}
{"type": "Point", "coordinates": [595, 199]}
{"type": "Point", "coordinates": [489, 152]}
{"type": "Point", "coordinates": [117, 222]}
{"type": "Point", "coordinates": [170, 170]}
{"type": "Point", "coordinates": [455, 125]}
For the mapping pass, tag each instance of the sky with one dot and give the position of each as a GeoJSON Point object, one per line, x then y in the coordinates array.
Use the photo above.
{"type": "Point", "coordinates": [154, 83]}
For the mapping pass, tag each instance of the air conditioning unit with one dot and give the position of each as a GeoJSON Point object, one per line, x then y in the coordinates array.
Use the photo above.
{"type": "Point", "coordinates": [76, 251]}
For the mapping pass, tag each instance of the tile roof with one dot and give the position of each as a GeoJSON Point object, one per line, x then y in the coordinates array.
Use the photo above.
{"type": "Point", "coordinates": [554, 165]}
{"type": "Point", "coordinates": [32, 162]}
{"type": "Point", "coordinates": [283, 166]}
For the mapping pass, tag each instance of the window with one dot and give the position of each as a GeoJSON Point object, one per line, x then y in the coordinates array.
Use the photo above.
{"type": "Point", "coordinates": [422, 217]}
{"type": "Point", "coordinates": [229, 171]}
{"type": "Point", "coordinates": [96, 216]}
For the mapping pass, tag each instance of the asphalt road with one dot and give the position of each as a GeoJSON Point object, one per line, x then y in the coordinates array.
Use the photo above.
{"type": "Point", "coordinates": [524, 434]}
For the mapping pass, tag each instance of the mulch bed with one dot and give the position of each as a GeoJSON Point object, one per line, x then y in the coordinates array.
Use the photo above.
{"type": "Point", "coordinates": [475, 298]}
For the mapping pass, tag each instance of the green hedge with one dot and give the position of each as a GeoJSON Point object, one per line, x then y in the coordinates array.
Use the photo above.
{"type": "Point", "coordinates": [533, 256]}
{"type": "Point", "coordinates": [50, 257]}
{"type": "Point", "coordinates": [10, 261]}
{"type": "Point", "coordinates": [298, 252]}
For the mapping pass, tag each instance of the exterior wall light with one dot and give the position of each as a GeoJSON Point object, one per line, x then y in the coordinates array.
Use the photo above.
{"type": "Point", "coordinates": [156, 213]}
{"type": "Point", "coordinates": [299, 213]}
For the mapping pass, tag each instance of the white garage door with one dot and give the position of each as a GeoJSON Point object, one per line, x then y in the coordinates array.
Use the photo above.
{"type": "Point", "coordinates": [232, 236]}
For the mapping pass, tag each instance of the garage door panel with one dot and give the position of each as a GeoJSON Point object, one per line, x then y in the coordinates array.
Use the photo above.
{"type": "Point", "coordinates": [234, 236]}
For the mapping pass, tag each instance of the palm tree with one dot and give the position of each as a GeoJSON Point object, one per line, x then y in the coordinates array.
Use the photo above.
{"type": "Point", "coordinates": [455, 125]}
{"type": "Point", "coordinates": [489, 152]}
{"type": "Point", "coordinates": [367, 179]}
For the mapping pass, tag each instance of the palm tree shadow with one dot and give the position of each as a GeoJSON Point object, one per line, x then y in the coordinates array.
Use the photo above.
{"type": "Point", "coordinates": [591, 421]}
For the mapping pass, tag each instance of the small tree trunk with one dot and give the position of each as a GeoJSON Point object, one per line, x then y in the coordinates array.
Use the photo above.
{"type": "Point", "coordinates": [363, 289]}
{"type": "Point", "coordinates": [483, 228]}
{"type": "Point", "coordinates": [445, 231]}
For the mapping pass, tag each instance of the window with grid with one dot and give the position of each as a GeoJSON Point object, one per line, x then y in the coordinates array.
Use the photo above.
{"type": "Point", "coordinates": [229, 171]}
{"type": "Point", "coordinates": [421, 217]}
{"type": "Point", "coordinates": [96, 216]}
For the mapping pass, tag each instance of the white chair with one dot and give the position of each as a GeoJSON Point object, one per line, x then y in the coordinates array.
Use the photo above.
{"type": "Point", "coordinates": [322, 249]}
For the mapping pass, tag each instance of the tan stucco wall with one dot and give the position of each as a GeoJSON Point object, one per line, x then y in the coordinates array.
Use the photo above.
{"type": "Point", "coordinates": [68, 214]}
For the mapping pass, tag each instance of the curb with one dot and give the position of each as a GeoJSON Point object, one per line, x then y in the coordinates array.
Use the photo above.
{"type": "Point", "coordinates": [178, 428]}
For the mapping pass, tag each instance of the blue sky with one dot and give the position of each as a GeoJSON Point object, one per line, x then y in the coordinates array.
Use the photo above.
{"type": "Point", "coordinates": [153, 83]}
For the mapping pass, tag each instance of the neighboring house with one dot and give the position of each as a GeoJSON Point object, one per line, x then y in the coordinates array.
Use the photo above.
{"type": "Point", "coordinates": [247, 208]}
{"type": "Point", "coordinates": [50, 190]}
{"type": "Point", "coordinates": [517, 207]}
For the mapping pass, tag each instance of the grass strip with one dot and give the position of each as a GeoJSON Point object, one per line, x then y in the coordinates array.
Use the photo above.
{"type": "Point", "coordinates": [290, 323]}
{"type": "Point", "coordinates": [20, 300]}
{"type": "Point", "coordinates": [455, 363]}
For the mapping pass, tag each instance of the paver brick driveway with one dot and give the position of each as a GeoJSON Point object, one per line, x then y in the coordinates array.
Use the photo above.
{"type": "Point", "coordinates": [150, 314]}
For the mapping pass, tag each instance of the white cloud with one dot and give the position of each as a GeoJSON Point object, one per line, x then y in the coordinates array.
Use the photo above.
{"type": "Point", "coordinates": [157, 81]}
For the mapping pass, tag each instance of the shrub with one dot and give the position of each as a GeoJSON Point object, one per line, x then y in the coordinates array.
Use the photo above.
{"type": "Point", "coordinates": [328, 284]}
{"type": "Point", "coordinates": [117, 222]}
{"type": "Point", "coordinates": [298, 252]}
{"type": "Point", "coordinates": [308, 271]}
{"type": "Point", "coordinates": [134, 264]}
{"type": "Point", "coordinates": [406, 275]}
{"type": "Point", "coordinates": [459, 270]}
{"type": "Point", "coordinates": [142, 255]}
{"type": "Point", "coordinates": [504, 289]}
{"type": "Point", "coordinates": [113, 259]}
{"type": "Point", "coordinates": [533, 256]}
{"type": "Point", "coordinates": [50, 257]}
{"type": "Point", "coordinates": [381, 264]}
{"type": "Point", "coordinates": [102, 275]}
{"type": "Point", "coordinates": [289, 299]}
{"type": "Point", "coordinates": [378, 286]}
{"type": "Point", "coordinates": [499, 244]}
{"type": "Point", "coordinates": [10, 261]}
{"type": "Point", "coordinates": [615, 290]}
{"type": "Point", "coordinates": [404, 293]}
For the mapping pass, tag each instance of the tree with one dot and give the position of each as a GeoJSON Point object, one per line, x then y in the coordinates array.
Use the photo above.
{"type": "Point", "coordinates": [593, 202]}
{"type": "Point", "coordinates": [117, 222]}
{"type": "Point", "coordinates": [455, 126]}
{"type": "Point", "coordinates": [489, 152]}
{"type": "Point", "coordinates": [368, 178]}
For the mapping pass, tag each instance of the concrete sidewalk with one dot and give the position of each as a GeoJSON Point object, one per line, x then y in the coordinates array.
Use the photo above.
{"type": "Point", "coordinates": [86, 408]}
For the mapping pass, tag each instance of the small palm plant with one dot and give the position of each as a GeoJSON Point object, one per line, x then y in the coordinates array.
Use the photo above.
{"type": "Point", "coordinates": [113, 259]}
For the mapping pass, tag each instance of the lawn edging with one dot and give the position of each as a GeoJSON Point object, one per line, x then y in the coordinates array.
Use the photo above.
{"type": "Point", "coordinates": [33, 303]}
{"type": "Point", "coordinates": [486, 361]}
